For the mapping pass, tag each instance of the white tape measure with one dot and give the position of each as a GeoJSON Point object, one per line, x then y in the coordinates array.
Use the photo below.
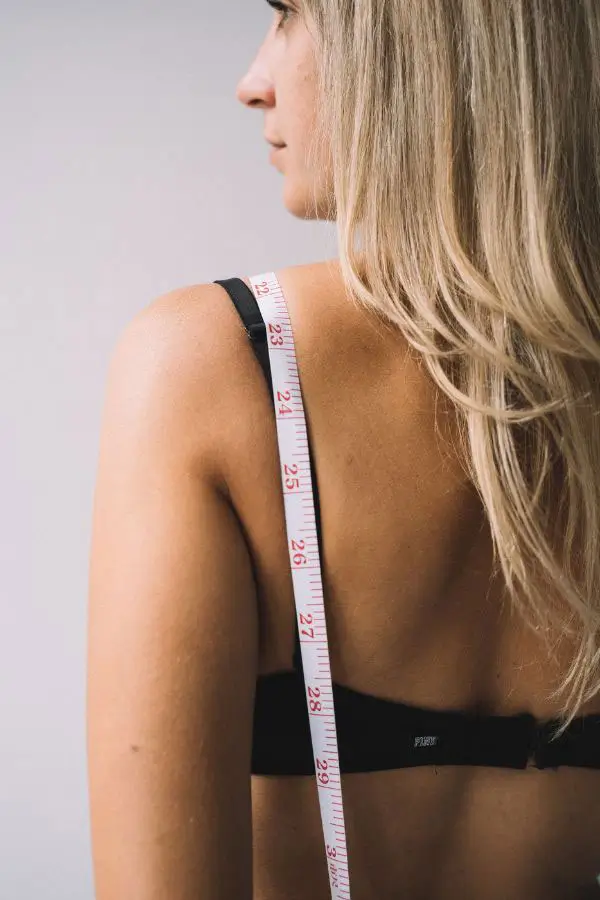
{"type": "Point", "coordinates": [300, 520]}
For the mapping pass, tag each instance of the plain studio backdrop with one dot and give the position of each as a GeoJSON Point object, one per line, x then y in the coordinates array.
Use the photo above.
{"type": "Point", "coordinates": [128, 168]}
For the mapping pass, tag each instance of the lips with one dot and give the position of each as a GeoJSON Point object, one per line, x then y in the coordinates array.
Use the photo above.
{"type": "Point", "coordinates": [275, 151]}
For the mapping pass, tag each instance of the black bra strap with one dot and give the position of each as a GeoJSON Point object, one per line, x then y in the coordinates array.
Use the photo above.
{"type": "Point", "coordinates": [245, 302]}
{"type": "Point", "coordinates": [249, 311]}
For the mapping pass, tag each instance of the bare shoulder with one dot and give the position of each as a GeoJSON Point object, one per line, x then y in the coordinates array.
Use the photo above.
{"type": "Point", "coordinates": [309, 277]}
{"type": "Point", "coordinates": [320, 308]}
{"type": "Point", "coordinates": [187, 353]}
{"type": "Point", "coordinates": [191, 326]}
{"type": "Point", "coordinates": [183, 356]}
{"type": "Point", "coordinates": [198, 329]}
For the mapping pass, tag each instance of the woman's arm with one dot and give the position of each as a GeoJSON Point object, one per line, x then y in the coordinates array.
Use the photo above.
{"type": "Point", "coordinates": [173, 635]}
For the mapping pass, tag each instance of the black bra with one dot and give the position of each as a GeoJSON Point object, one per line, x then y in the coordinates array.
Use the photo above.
{"type": "Point", "coordinates": [376, 734]}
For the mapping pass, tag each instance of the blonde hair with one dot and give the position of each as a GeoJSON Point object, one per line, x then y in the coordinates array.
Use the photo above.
{"type": "Point", "coordinates": [464, 138]}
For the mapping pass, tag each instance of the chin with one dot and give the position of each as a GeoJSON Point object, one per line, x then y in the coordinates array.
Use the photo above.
{"type": "Point", "coordinates": [301, 204]}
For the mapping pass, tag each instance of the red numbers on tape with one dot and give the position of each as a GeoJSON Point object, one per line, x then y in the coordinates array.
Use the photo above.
{"type": "Point", "coordinates": [261, 287]}
{"type": "Point", "coordinates": [292, 482]}
{"type": "Point", "coordinates": [299, 558]}
{"type": "Point", "coordinates": [275, 335]}
{"type": "Point", "coordinates": [305, 565]}
{"type": "Point", "coordinates": [306, 619]}
{"type": "Point", "coordinates": [315, 706]}
{"type": "Point", "coordinates": [284, 397]}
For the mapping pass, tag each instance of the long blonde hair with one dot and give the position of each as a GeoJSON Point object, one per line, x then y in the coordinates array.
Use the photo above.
{"type": "Point", "coordinates": [464, 138]}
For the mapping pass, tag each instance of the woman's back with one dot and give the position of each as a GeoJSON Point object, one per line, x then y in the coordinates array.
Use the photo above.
{"type": "Point", "coordinates": [414, 616]}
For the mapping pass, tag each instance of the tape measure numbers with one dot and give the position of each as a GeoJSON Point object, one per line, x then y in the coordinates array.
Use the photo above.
{"type": "Point", "coordinates": [300, 520]}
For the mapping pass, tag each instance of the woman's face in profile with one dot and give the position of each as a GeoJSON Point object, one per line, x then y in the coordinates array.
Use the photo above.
{"type": "Point", "coordinates": [282, 82]}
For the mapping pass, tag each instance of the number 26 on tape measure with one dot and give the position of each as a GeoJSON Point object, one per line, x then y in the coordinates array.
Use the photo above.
{"type": "Point", "coordinates": [299, 557]}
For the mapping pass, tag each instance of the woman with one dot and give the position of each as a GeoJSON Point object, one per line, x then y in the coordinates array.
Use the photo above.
{"type": "Point", "coordinates": [450, 369]}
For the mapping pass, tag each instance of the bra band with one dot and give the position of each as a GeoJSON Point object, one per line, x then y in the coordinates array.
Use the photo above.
{"type": "Point", "coordinates": [376, 734]}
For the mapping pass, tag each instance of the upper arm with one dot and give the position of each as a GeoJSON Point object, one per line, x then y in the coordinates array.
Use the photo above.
{"type": "Point", "coordinates": [172, 633]}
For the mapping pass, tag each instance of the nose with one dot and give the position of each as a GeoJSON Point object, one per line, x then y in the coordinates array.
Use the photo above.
{"type": "Point", "coordinates": [256, 88]}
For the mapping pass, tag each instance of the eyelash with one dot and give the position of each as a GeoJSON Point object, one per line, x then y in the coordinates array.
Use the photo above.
{"type": "Point", "coordinates": [281, 8]}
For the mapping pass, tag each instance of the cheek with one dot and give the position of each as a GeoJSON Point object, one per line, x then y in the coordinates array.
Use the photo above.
{"type": "Point", "coordinates": [299, 93]}
{"type": "Point", "coordinates": [302, 120]}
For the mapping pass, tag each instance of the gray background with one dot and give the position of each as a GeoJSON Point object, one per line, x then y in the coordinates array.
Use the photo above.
{"type": "Point", "coordinates": [128, 168]}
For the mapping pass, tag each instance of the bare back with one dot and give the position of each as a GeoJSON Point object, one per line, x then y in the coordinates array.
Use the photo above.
{"type": "Point", "coordinates": [413, 616]}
